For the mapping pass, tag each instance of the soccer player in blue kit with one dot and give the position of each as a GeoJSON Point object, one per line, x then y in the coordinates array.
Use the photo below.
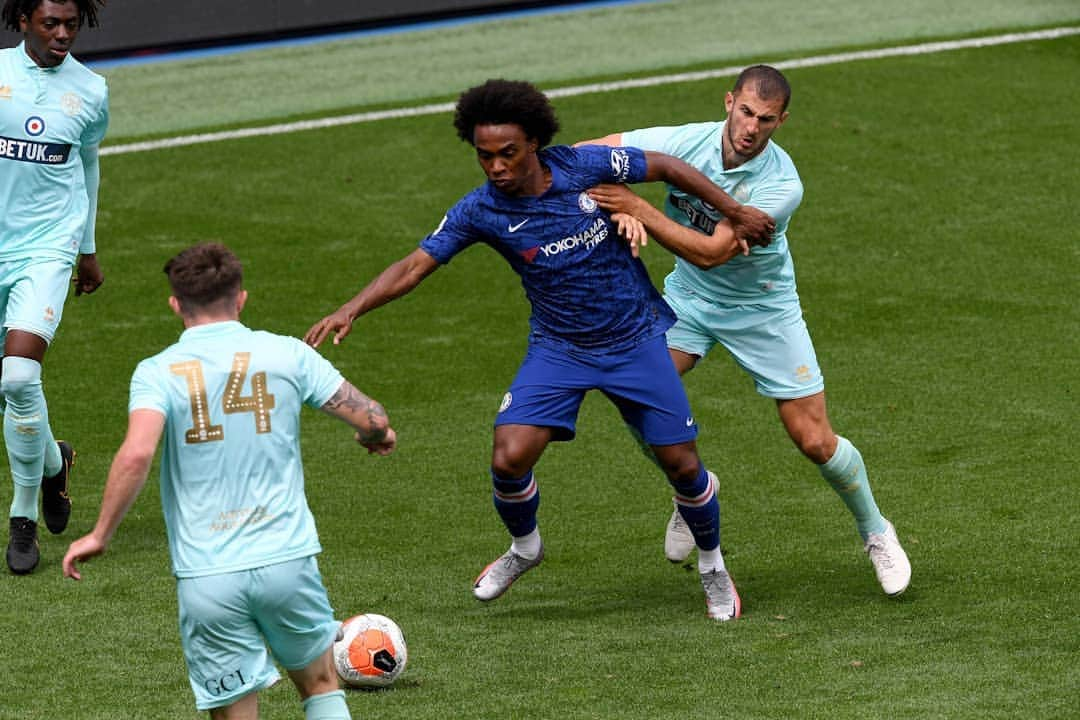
{"type": "Point", "coordinates": [745, 299]}
{"type": "Point", "coordinates": [597, 321]}
{"type": "Point", "coordinates": [53, 115]}
{"type": "Point", "coordinates": [242, 539]}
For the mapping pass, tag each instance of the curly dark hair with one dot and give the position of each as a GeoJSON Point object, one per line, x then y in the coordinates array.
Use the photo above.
{"type": "Point", "coordinates": [15, 9]}
{"type": "Point", "coordinates": [504, 102]}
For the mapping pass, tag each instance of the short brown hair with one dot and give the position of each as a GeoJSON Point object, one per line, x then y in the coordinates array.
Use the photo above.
{"type": "Point", "coordinates": [204, 275]}
{"type": "Point", "coordinates": [766, 81]}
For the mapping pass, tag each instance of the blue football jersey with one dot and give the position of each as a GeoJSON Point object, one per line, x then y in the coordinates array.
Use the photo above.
{"type": "Point", "coordinates": [585, 287]}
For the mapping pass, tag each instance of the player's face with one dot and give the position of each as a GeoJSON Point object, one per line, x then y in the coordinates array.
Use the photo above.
{"type": "Point", "coordinates": [49, 31]}
{"type": "Point", "coordinates": [751, 121]}
{"type": "Point", "coordinates": [507, 156]}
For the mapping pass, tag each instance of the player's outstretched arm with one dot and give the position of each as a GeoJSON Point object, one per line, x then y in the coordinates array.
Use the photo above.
{"type": "Point", "coordinates": [365, 415]}
{"type": "Point", "coordinates": [749, 223]}
{"type": "Point", "coordinates": [393, 282]}
{"type": "Point", "coordinates": [127, 475]}
{"type": "Point", "coordinates": [704, 251]}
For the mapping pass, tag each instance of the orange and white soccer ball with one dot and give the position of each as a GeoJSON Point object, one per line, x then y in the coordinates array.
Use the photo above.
{"type": "Point", "coordinates": [369, 651]}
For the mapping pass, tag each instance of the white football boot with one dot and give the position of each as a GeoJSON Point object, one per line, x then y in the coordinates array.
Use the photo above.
{"type": "Point", "coordinates": [501, 574]}
{"type": "Point", "coordinates": [890, 562]}
{"type": "Point", "coordinates": [722, 601]}
{"type": "Point", "coordinates": [678, 541]}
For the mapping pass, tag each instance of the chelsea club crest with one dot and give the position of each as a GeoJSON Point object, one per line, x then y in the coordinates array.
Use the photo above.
{"type": "Point", "coordinates": [586, 203]}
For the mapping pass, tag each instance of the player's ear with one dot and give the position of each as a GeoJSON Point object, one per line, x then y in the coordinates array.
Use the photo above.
{"type": "Point", "coordinates": [175, 305]}
{"type": "Point", "coordinates": [241, 298]}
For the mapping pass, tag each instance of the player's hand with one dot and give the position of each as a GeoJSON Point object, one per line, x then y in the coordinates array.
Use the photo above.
{"type": "Point", "coordinates": [339, 323]}
{"type": "Point", "coordinates": [632, 230]}
{"type": "Point", "coordinates": [84, 548]}
{"type": "Point", "coordinates": [617, 199]}
{"type": "Point", "coordinates": [383, 447]}
{"type": "Point", "coordinates": [752, 226]}
{"type": "Point", "coordinates": [88, 275]}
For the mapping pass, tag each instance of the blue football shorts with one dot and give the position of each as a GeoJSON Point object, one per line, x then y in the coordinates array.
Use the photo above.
{"type": "Point", "coordinates": [770, 342]}
{"type": "Point", "coordinates": [227, 621]}
{"type": "Point", "coordinates": [32, 295]}
{"type": "Point", "coordinates": [642, 383]}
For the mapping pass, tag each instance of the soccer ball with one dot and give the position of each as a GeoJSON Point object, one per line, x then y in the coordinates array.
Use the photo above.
{"type": "Point", "coordinates": [369, 651]}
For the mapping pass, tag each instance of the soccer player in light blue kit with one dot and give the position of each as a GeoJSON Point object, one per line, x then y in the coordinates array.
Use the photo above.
{"type": "Point", "coordinates": [745, 299]}
{"type": "Point", "coordinates": [53, 114]}
{"type": "Point", "coordinates": [597, 321]}
{"type": "Point", "coordinates": [241, 537]}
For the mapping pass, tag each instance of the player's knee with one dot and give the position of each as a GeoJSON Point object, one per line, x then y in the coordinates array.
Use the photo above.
{"type": "Point", "coordinates": [816, 445]}
{"type": "Point", "coordinates": [682, 468]}
{"type": "Point", "coordinates": [21, 377]}
{"type": "Point", "coordinates": [507, 464]}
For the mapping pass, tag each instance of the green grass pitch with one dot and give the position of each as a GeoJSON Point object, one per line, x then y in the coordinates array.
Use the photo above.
{"type": "Point", "coordinates": [937, 254]}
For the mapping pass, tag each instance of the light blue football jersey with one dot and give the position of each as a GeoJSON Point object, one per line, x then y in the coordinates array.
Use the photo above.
{"type": "Point", "coordinates": [232, 482]}
{"type": "Point", "coordinates": [768, 182]}
{"type": "Point", "coordinates": [48, 117]}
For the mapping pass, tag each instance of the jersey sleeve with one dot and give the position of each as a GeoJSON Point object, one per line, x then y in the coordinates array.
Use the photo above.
{"type": "Point", "coordinates": [319, 378]}
{"type": "Point", "coordinates": [779, 198]}
{"type": "Point", "coordinates": [94, 132]}
{"type": "Point", "coordinates": [655, 139]}
{"type": "Point", "coordinates": [454, 233]}
{"type": "Point", "coordinates": [146, 392]}
{"type": "Point", "coordinates": [677, 140]}
{"type": "Point", "coordinates": [601, 164]}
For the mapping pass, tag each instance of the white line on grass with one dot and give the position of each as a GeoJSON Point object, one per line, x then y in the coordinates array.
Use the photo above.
{"type": "Point", "coordinates": [392, 114]}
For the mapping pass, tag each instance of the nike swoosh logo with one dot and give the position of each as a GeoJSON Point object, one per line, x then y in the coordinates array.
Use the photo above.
{"type": "Point", "coordinates": [689, 421]}
{"type": "Point", "coordinates": [515, 228]}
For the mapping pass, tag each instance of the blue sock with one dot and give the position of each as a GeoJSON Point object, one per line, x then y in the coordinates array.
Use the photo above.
{"type": "Point", "coordinates": [699, 507]}
{"type": "Point", "coordinates": [516, 501]}
{"type": "Point", "coordinates": [327, 706]}
{"type": "Point", "coordinates": [846, 473]}
{"type": "Point", "coordinates": [25, 422]}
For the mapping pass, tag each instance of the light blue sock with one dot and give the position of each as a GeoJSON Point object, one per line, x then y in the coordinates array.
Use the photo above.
{"type": "Point", "coordinates": [25, 421]}
{"type": "Point", "coordinates": [54, 461]}
{"type": "Point", "coordinates": [846, 473]}
{"type": "Point", "coordinates": [327, 706]}
{"type": "Point", "coordinates": [24, 502]}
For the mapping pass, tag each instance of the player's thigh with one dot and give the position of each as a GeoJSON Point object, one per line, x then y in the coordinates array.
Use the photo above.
{"type": "Point", "coordinates": [649, 394]}
{"type": "Point", "coordinates": [773, 345]}
{"type": "Point", "coordinates": [293, 611]}
{"type": "Point", "coordinates": [548, 391]}
{"type": "Point", "coordinates": [223, 646]}
{"type": "Point", "coordinates": [36, 292]}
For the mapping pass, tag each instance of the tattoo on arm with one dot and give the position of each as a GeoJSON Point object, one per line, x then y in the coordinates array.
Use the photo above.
{"type": "Point", "coordinates": [365, 414]}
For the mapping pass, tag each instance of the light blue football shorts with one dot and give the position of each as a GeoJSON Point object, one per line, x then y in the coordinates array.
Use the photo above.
{"type": "Point", "coordinates": [32, 295]}
{"type": "Point", "coordinates": [227, 621]}
{"type": "Point", "coordinates": [770, 342]}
